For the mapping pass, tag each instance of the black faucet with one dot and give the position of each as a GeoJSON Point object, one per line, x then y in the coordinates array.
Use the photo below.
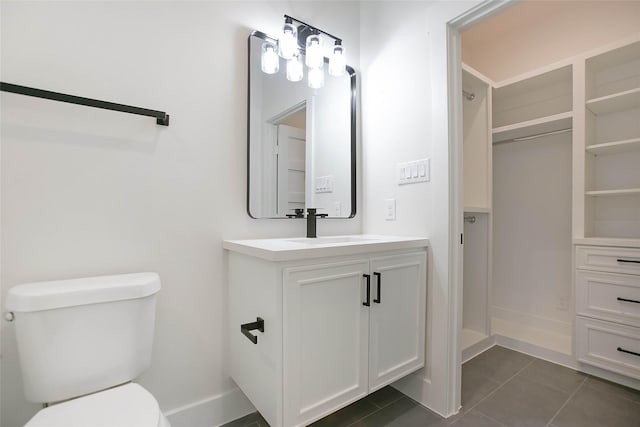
{"type": "Point", "coordinates": [311, 221]}
{"type": "Point", "coordinates": [299, 213]}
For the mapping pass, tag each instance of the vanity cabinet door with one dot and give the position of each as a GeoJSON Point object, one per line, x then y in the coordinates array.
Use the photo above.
{"type": "Point", "coordinates": [397, 333]}
{"type": "Point", "coordinates": [325, 339]}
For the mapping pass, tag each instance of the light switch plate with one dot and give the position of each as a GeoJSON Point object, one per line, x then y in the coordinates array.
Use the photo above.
{"type": "Point", "coordinates": [390, 209]}
{"type": "Point", "coordinates": [324, 184]}
{"type": "Point", "coordinates": [415, 171]}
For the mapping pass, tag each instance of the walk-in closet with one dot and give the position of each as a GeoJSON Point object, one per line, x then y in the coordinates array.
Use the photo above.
{"type": "Point", "coordinates": [551, 143]}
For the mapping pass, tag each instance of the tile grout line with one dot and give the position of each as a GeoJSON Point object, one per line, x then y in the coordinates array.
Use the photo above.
{"type": "Point", "coordinates": [390, 402]}
{"type": "Point", "coordinates": [498, 388]}
{"type": "Point", "coordinates": [584, 381]}
{"type": "Point", "coordinates": [378, 409]}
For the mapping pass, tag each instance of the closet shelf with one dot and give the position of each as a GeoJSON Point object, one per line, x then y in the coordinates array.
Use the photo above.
{"type": "Point", "coordinates": [542, 125]}
{"type": "Point", "coordinates": [614, 147]}
{"type": "Point", "coordinates": [625, 242]}
{"type": "Point", "coordinates": [476, 209]}
{"type": "Point", "coordinates": [619, 192]}
{"type": "Point", "coordinates": [620, 101]}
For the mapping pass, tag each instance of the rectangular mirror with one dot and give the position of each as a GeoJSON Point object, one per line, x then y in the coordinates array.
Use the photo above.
{"type": "Point", "coordinates": [301, 142]}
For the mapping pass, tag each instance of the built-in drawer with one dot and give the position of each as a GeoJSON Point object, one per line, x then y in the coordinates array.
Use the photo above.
{"type": "Point", "coordinates": [609, 346]}
{"type": "Point", "coordinates": [608, 296]}
{"type": "Point", "coordinates": [614, 260]}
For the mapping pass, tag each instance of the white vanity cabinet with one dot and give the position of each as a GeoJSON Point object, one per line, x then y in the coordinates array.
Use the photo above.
{"type": "Point", "coordinates": [335, 329]}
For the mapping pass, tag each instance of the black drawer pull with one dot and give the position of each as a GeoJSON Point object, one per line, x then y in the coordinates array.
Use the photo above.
{"type": "Point", "coordinates": [632, 261]}
{"type": "Point", "coordinates": [248, 327]}
{"type": "Point", "coordinates": [367, 303]}
{"type": "Point", "coordinates": [628, 300]}
{"type": "Point", "coordinates": [379, 277]}
{"type": "Point", "coordinates": [620, 349]}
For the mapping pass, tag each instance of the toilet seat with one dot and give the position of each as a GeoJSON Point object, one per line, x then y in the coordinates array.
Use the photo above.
{"type": "Point", "coordinates": [129, 405]}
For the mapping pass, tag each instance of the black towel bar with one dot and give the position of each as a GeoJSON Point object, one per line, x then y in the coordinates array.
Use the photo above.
{"type": "Point", "coordinates": [162, 118]}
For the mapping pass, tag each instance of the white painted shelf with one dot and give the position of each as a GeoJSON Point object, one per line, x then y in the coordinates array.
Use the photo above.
{"type": "Point", "coordinates": [615, 147]}
{"type": "Point", "coordinates": [542, 125]}
{"type": "Point", "coordinates": [607, 241]}
{"type": "Point", "coordinates": [626, 100]}
{"type": "Point", "coordinates": [476, 209]}
{"type": "Point", "coordinates": [620, 192]}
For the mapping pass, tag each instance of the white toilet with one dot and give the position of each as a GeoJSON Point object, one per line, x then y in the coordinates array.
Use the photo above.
{"type": "Point", "coordinates": [81, 342]}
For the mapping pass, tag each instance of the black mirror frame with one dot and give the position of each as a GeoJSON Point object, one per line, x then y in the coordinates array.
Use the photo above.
{"type": "Point", "coordinates": [352, 76]}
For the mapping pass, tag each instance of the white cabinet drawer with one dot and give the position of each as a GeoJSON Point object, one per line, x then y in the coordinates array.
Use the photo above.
{"type": "Point", "coordinates": [609, 346]}
{"type": "Point", "coordinates": [608, 296]}
{"type": "Point", "coordinates": [614, 260]}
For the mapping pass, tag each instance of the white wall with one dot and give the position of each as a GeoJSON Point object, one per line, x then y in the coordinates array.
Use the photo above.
{"type": "Point", "coordinates": [404, 107]}
{"type": "Point", "coordinates": [89, 192]}
{"type": "Point", "coordinates": [531, 34]}
{"type": "Point", "coordinates": [532, 231]}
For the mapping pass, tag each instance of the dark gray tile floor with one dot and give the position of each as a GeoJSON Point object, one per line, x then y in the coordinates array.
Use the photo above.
{"type": "Point", "coordinates": [500, 388]}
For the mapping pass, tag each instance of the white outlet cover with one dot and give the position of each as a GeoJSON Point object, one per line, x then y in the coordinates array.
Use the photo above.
{"type": "Point", "coordinates": [390, 209]}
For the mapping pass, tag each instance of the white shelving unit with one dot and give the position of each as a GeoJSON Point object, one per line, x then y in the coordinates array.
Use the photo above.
{"type": "Point", "coordinates": [611, 204]}
{"type": "Point", "coordinates": [612, 143]}
{"type": "Point", "coordinates": [477, 205]}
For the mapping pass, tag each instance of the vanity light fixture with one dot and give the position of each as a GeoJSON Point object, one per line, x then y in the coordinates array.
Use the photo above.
{"type": "Point", "coordinates": [303, 40]}
{"type": "Point", "coordinates": [288, 41]}
{"type": "Point", "coordinates": [295, 68]}
{"type": "Point", "coordinates": [337, 60]}
{"type": "Point", "coordinates": [270, 62]}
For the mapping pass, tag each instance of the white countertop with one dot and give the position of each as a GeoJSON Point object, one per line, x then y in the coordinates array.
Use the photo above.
{"type": "Point", "coordinates": [297, 248]}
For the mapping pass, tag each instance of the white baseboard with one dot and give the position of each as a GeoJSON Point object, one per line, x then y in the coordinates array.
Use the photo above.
{"type": "Point", "coordinates": [213, 411]}
{"type": "Point", "coordinates": [538, 351]}
{"type": "Point", "coordinates": [477, 348]}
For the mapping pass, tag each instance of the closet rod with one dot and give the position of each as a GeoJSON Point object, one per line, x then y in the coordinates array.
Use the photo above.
{"type": "Point", "coordinates": [469, 95]}
{"type": "Point", "coordinates": [534, 136]}
{"type": "Point", "coordinates": [162, 118]}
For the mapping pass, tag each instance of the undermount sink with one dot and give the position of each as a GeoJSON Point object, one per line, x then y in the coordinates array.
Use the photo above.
{"type": "Point", "coordinates": [330, 239]}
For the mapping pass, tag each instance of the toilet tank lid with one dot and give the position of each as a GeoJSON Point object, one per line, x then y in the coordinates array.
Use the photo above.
{"type": "Point", "coordinates": [73, 292]}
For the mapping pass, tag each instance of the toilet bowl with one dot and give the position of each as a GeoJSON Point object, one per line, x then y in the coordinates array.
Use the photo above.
{"type": "Point", "coordinates": [81, 342]}
{"type": "Point", "coordinates": [128, 405]}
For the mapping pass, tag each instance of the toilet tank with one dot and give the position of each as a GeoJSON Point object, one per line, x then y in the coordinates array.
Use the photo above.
{"type": "Point", "coordinates": [79, 336]}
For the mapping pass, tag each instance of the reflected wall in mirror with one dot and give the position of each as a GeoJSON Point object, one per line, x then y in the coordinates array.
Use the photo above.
{"type": "Point", "coordinates": [301, 142]}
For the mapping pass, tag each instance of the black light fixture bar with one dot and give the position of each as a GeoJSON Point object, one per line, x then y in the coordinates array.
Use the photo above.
{"type": "Point", "coordinates": [311, 27]}
{"type": "Point", "coordinates": [162, 118]}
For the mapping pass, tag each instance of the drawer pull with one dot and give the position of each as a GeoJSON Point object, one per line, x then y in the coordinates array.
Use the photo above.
{"type": "Point", "coordinates": [632, 261]}
{"type": "Point", "coordinates": [248, 327]}
{"type": "Point", "coordinates": [622, 350]}
{"type": "Point", "coordinates": [367, 303]}
{"type": "Point", "coordinates": [628, 300]}
{"type": "Point", "coordinates": [379, 277]}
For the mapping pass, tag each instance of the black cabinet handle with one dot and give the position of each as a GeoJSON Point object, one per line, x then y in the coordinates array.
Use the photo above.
{"type": "Point", "coordinates": [620, 349]}
{"type": "Point", "coordinates": [248, 327]}
{"type": "Point", "coordinates": [632, 261]}
{"type": "Point", "coordinates": [379, 277]}
{"type": "Point", "coordinates": [628, 300]}
{"type": "Point", "coordinates": [367, 303]}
